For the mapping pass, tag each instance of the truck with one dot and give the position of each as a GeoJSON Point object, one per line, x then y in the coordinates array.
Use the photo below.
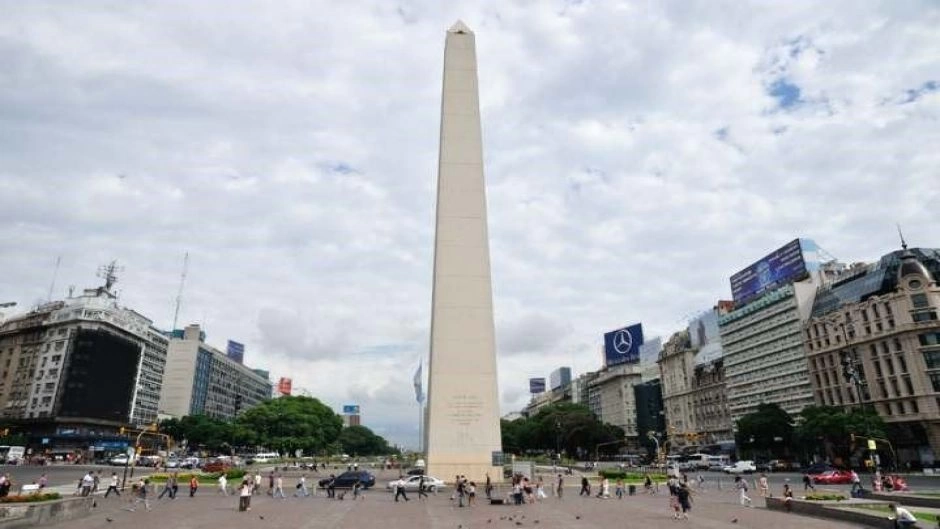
{"type": "Point", "coordinates": [12, 455]}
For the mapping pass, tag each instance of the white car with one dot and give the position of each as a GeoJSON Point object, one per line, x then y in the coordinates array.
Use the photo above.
{"type": "Point", "coordinates": [431, 484]}
{"type": "Point", "coordinates": [741, 467]}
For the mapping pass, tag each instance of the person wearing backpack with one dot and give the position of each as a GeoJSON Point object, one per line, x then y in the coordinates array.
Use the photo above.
{"type": "Point", "coordinates": [741, 485]}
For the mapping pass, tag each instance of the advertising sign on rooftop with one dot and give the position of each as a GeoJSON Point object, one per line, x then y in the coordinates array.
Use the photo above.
{"type": "Point", "coordinates": [783, 266]}
{"type": "Point", "coordinates": [537, 385]}
{"type": "Point", "coordinates": [622, 346]}
{"type": "Point", "coordinates": [350, 409]}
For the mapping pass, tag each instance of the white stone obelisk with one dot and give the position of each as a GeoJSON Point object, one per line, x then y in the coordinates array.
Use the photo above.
{"type": "Point", "coordinates": [463, 401]}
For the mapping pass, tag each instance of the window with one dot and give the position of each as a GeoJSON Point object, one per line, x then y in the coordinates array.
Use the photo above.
{"type": "Point", "coordinates": [890, 365]}
{"type": "Point", "coordinates": [932, 359]}
{"type": "Point", "coordinates": [897, 344]}
{"type": "Point", "coordinates": [888, 309]}
{"type": "Point", "coordinates": [883, 388]}
{"type": "Point", "coordinates": [919, 300]}
{"type": "Point", "coordinates": [914, 284]}
{"type": "Point", "coordinates": [878, 372]}
{"type": "Point", "coordinates": [864, 315]}
{"type": "Point", "coordinates": [894, 386]}
{"type": "Point", "coordinates": [908, 386]}
{"type": "Point", "coordinates": [914, 407]}
{"type": "Point", "coordinates": [930, 338]}
{"type": "Point", "coordinates": [900, 407]}
{"type": "Point", "coordinates": [935, 382]}
{"type": "Point", "coordinates": [901, 361]}
{"type": "Point", "coordinates": [929, 315]}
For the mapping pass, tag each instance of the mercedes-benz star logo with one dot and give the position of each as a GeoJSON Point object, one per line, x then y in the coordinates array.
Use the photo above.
{"type": "Point", "coordinates": [623, 341]}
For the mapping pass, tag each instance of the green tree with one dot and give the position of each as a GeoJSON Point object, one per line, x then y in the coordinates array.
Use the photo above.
{"type": "Point", "coordinates": [361, 441]}
{"type": "Point", "coordinates": [828, 430]}
{"type": "Point", "coordinates": [290, 423]}
{"type": "Point", "coordinates": [564, 426]}
{"type": "Point", "coordinates": [200, 432]}
{"type": "Point", "coordinates": [768, 430]}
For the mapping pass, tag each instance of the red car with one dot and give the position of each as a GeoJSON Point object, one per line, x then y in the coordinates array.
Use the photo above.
{"type": "Point", "coordinates": [833, 477]}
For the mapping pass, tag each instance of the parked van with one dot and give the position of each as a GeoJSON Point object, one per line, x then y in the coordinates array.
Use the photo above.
{"type": "Point", "coordinates": [12, 455]}
{"type": "Point", "coordinates": [265, 457]}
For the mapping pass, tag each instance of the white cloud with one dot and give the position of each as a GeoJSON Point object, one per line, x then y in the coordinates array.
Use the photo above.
{"type": "Point", "coordinates": [635, 160]}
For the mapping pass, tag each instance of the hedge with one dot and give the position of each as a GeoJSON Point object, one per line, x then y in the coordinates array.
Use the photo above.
{"type": "Point", "coordinates": [184, 477]}
{"type": "Point", "coordinates": [824, 496]}
{"type": "Point", "coordinates": [31, 498]}
{"type": "Point", "coordinates": [630, 476]}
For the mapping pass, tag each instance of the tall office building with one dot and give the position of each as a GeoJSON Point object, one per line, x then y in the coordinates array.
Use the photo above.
{"type": "Point", "coordinates": [877, 332]}
{"type": "Point", "coordinates": [202, 380]}
{"type": "Point", "coordinates": [764, 357]}
{"type": "Point", "coordinates": [75, 371]}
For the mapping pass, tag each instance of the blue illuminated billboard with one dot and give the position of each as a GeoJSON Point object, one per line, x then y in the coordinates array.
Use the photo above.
{"type": "Point", "coordinates": [536, 385]}
{"type": "Point", "coordinates": [622, 346]}
{"type": "Point", "coordinates": [781, 267]}
{"type": "Point", "coordinates": [350, 409]}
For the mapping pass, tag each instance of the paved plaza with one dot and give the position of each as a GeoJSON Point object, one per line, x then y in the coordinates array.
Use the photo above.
{"type": "Point", "coordinates": [712, 509]}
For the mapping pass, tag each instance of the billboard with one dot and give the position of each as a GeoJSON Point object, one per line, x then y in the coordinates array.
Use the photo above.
{"type": "Point", "coordinates": [537, 385]}
{"type": "Point", "coordinates": [622, 346]}
{"type": "Point", "coordinates": [350, 409]}
{"type": "Point", "coordinates": [284, 386]}
{"type": "Point", "coordinates": [781, 267]}
{"type": "Point", "coordinates": [560, 377]}
{"type": "Point", "coordinates": [236, 351]}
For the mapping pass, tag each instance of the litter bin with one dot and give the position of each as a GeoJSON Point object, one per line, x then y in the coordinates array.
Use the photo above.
{"type": "Point", "coordinates": [632, 489]}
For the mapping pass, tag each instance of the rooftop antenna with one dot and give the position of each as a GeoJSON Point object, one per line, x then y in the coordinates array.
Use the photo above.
{"type": "Point", "coordinates": [901, 235]}
{"type": "Point", "coordinates": [55, 274]}
{"type": "Point", "coordinates": [109, 272]}
{"type": "Point", "coordinates": [179, 294]}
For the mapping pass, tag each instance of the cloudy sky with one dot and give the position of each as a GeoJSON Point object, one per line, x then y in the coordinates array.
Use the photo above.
{"type": "Point", "coordinates": [637, 154]}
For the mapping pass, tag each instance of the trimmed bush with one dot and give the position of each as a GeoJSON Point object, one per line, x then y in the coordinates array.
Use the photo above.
{"type": "Point", "coordinates": [824, 496]}
{"type": "Point", "coordinates": [31, 498]}
{"type": "Point", "coordinates": [630, 476]}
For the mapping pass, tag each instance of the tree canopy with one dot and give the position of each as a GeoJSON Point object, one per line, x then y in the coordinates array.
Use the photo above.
{"type": "Point", "coordinates": [285, 424]}
{"type": "Point", "coordinates": [565, 426]}
{"type": "Point", "coordinates": [828, 430]}
{"type": "Point", "coordinates": [768, 429]}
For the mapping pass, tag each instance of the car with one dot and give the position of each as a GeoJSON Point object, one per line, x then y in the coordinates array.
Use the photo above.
{"type": "Point", "coordinates": [172, 463]}
{"type": "Point", "coordinates": [818, 468]}
{"type": "Point", "coordinates": [347, 479]}
{"type": "Point", "coordinates": [415, 472]}
{"type": "Point", "coordinates": [190, 462]}
{"type": "Point", "coordinates": [216, 465]}
{"type": "Point", "coordinates": [764, 466]}
{"type": "Point", "coordinates": [411, 483]}
{"type": "Point", "coordinates": [833, 477]}
{"type": "Point", "coordinates": [119, 460]}
{"type": "Point", "coordinates": [741, 467]}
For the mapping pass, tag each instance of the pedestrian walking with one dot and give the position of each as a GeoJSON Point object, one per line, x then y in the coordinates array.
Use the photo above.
{"type": "Point", "coordinates": [244, 495]}
{"type": "Point", "coordinates": [540, 490]}
{"type": "Point", "coordinates": [193, 485]}
{"type": "Point", "coordinates": [763, 485]}
{"type": "Point", "coordinates": [257, 487]}
{"type": "Point", "coordinates": [618, 489]}
{"type": "Point", "coordinates": [585, 487]}
{"type": "Point", "coordinates": [168, 488]}
{"type": "Point", "coordinates": [279, 488]}
{"type": "Point", "coordinates": [141, 495]}
{"type": "Point", "coordinates": [271, 483]}
{"type": "Point", "coordinates": [331, 487]}
{"type": "Point", "coordinates": [648, 484]}
{"type": "Point", "coordinates": [357, 491]}
{"type": "Point", "coordinates": [741, 485]}
{"type": "Point", "coordinates": [86, 484]}
{"type": "Point", "coordinates": [400, 490]}
{"type": "Point", "coordinates": [471, 493]}
{"type": "Point", "coordinates": [560, 487]}
{"type": "Point", "coordinates": [43, 481]}
{"type": "Point", "coordinates": [856, 483]}
{"type": "Point", "coordinates": [488, 487]}
{"type": "Point", "coordinates": [112, 486]}
{"type": "Point", "coordinates": [808, 482]}
{"type": "Point", "coordinates": [223, 485]}
{"type": "Point", "coordinates": [301, 488]}
{"type": "Point", "coordinates": [421, 493]}
{"type": "Point", "coordinates": [96, 477]}
{"type": "Point", "coordinates": [684, 495]}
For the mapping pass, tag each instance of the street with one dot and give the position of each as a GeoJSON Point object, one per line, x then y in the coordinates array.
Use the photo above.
{"type": "Point", "coordinates": [62, 475]}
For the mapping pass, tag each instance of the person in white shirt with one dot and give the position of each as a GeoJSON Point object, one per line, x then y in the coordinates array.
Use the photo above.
{"type": "Point", "coordinates": [113, 485]}
{"type": "Point", "coordinates": [244, 496]}
{"type": "Point", "coordinates": [902, 517]}
{"type": "Point", "coordinates": [223, 485]}
{"type": "Point", "coordinates": [302, 487]}
{"type": "Point", "coordinates": [279, 487]}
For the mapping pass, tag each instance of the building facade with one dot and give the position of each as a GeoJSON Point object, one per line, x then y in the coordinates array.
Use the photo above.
{"type": "Point", "coordinates": [881, 321]}
{"type": "Point", "coordinates": [74, 372]}
{"type": "Point", "coordinates": [202, 380]}
{"type": "Point", "coordinates": [612, 399]}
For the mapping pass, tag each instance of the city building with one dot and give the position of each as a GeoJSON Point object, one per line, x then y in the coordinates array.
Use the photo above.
{"type": "Point", "coordinates": [75, 371]}
{"type": "Point", "coordinates": [612, 399]}
{"type": "Point", "coordinates": [202, 380]}
{"type": "Point", "coordinates": [559, 378]}
{"type": "Point", "coordinates": [650, 415]}
{"type": "Point", "coordinates": [873, 339]}
{"type": "Point", "coordinates": [351, 415]}
{"type": "Point", "coordinates": [694, 393]}
{"type": "Point", "coordinates": [761, 339]}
